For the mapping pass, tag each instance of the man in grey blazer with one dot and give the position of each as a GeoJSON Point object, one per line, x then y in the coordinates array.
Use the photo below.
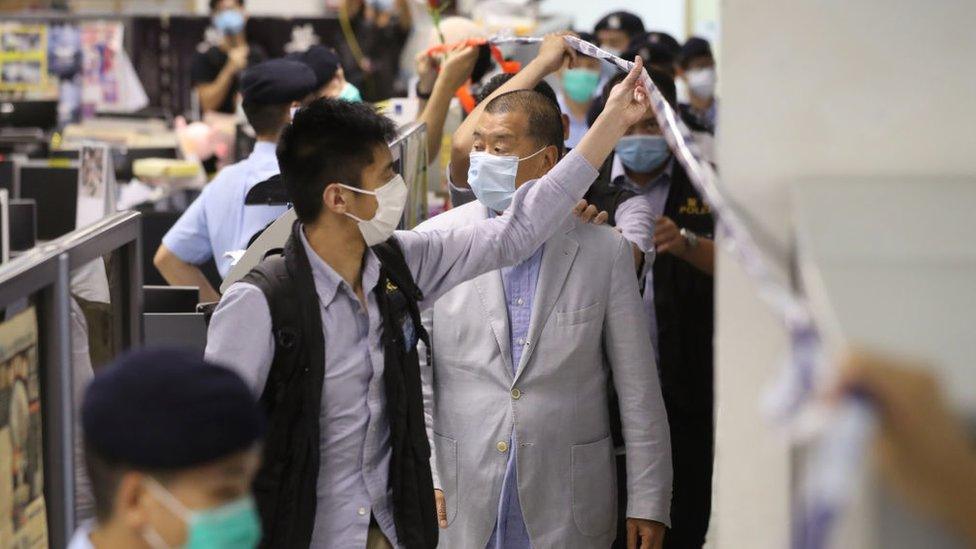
{"type": "Point", "coordinates": [516, 392]}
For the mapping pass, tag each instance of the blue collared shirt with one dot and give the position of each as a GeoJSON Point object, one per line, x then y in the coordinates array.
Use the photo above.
{"type": "Point", "coordinates": [218, 221]}
{"type": "Point", "coordinates": [577, 126]}
{"type": "Point", "coordinates": [355, 448]}
{"type": "Point", "coordinates": [635, 219]}
{"type": "Point", "coordinates": [520, 283]}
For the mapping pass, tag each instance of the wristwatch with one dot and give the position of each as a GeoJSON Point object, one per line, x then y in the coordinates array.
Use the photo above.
{"type": "Point", "coordinates": [690, 237]}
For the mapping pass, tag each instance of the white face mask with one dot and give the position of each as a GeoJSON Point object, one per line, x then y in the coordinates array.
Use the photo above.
{"type": "Point", "coordinates": [390, 201]}
{"type": "Point", "coordinates": [701, 82]}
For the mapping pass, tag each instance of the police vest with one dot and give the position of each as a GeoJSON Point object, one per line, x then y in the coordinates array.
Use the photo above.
{"type": "Point", "coordinates": [684, 303]}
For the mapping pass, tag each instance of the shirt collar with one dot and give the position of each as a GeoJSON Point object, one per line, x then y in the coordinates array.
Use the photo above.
{"type": "Point", "coordinates": [618, 176]}
{"type": "Point", "coordinates": [327, 280]}
{"type": "Point", "coordinates": [264, 149]}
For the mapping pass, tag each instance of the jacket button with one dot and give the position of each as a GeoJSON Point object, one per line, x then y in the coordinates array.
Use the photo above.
{"type": "Point", "coordinates": [362, 511]}
{"type": "Point", "coordinates": [502, 446]}
{"type": "Point", "coordinates": [516, 394]}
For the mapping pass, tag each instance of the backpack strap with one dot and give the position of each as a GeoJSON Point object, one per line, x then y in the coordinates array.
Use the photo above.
{"type": "Point", "coordinates": [391, 258]}
{"type": "Point", "coordinates": [272, 278]}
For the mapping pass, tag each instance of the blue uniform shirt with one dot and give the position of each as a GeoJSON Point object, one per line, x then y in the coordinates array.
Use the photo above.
{"type": "Point", "coordinates": [218, 222]}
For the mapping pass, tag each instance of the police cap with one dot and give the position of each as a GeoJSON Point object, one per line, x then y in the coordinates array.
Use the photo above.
{"type": "Point", "coordinates": [167, 409]}
{"type": "Point", "coordinates": [276, 82]}
{"type": "Point", "coordinates": [621, 20]}
{"type": "Point", "coordinates": [695, 47]}
{"type": "Point", "coordinates": [323, 61]}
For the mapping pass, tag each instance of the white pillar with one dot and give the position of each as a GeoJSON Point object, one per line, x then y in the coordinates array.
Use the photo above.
{"type": "Point", "coordinates": [831, 87]}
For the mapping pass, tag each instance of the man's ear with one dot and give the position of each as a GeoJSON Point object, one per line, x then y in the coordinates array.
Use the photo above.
{"type": "Point", "coordinates": [565, 126]}
{"type": "Point", "coordinates": [551, 155]}
{"type": "Point", "coordinates": [130, 500]}
{"type": "Point", "coordinates": [333, 199]}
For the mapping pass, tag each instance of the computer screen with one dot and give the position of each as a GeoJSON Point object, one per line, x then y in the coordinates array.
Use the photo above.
{"type": "Point", "coordinates": [55, 190]}
{"type": "Point", "coordinates": [29, 114]}
{"type": "Point", "coordinates": [123, 159]}
{"type": "Point", "coordinates": [8, 173]}
{"type": "Point", "coordinates": [170, 299]}
{"type": "Point", "coordinates": [23, 224]}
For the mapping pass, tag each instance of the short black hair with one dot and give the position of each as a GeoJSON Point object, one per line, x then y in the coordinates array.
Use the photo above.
{"type": "Point", "coordinates": [329, 141]}
{"type": "Point", "coordinates": [664, 82]}
{"type": "Point", "coordinates": [213, 4]}
{"type": "Point", "coordinates": [545, 121]}
{"type": "Point", "coordinates": [266, 119]}
{"type": "Point", "coordinates": [105, 476]}
{"type": "Point", "coordinates": [498, 80]}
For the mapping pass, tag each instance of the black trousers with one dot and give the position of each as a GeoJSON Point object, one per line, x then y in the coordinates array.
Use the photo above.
{"type": "Point", "coordinates": [692, 453]}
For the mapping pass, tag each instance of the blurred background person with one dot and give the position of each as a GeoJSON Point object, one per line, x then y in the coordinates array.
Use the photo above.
{"type": "Point", "coordinates": [580, 86]}
{"type": "Point", "coordinates": [697, 70]}
{"type": "Point", "coordinates": [215, 72]}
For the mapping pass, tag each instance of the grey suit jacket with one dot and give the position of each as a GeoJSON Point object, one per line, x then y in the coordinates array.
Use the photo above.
{"type": "Point", "coordinates": [587, 320]}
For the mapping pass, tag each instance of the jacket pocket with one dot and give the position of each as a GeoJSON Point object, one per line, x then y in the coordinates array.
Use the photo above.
{"type": "Point", "coordinates": [594, 487]}
{"type": "Point", "coordinates": [579, 316]}
{"type": "Point", "coordinates": [447, 469]}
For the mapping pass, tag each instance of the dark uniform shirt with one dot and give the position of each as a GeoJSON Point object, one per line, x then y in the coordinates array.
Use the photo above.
{"type": "Point", "coordinates": [207, 65]}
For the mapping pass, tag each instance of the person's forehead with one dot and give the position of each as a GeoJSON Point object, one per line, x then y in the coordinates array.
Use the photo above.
{"type": "Point", "coordinates": [588, 62]}
{"type": "Point", "coordinates": [512, 123]}
{"type": "Point", "coordinates": [228, 4]}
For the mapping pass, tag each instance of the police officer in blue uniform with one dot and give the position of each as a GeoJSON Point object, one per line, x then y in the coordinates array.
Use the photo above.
{"type": "Point", "coordinates": [218, 221]}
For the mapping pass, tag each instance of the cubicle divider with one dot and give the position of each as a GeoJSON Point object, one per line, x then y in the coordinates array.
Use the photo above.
{"type": "Point", "coordinates": [41, 279]}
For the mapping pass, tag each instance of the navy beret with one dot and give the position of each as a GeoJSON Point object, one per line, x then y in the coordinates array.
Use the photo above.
{"type": "Point", "coordinates": [276, 82]}
{"type": "Point", "coordinates": [168, 409]}
{"type": "Point", "coordinates": [587, 37]}
{"type": "Point", "coordinates": [657, 39]}
{"type": "Point", "coordinates": [655, 54]}
{"type": "Point", "coordinates": [695, 47]}
{"type": "Point", "coordinates": [323, 61]}
{"type": "Point", "coordinates": [621, 20]}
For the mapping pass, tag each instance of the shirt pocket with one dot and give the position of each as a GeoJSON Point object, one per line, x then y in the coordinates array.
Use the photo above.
{"type": "Point", "coordinates": [579, 316]}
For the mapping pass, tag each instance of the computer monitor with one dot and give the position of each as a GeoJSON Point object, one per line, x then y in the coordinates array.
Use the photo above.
{"type": "Point", "coordinates": [55, 190]}
{"type": "Point", "coordinates": [8, 176]}
{"type": "Point", "coordinates": [170, 299]}
{"type": "Point", "coordinates": [123, 159]}
{"type": "Point", "coordinates": [23, 224]}
{"type": "Point", "coordinates": [65, 154]}
{"type": "Point", "coordinates": [29, 114]}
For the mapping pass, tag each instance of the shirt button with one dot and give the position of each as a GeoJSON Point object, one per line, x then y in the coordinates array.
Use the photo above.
{"type": "Point", "coordinates": [520, 341]}
{"type": "Point", "coordinates": [362, 511]}
{"type": "Point", "coordinates": [519, 302]}
{"type": "Point", "coordinates": [516, 394]}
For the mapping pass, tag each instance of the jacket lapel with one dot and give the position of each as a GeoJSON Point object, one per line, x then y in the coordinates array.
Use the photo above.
{"type": "Point", "coordinates": [557, 259]}
{"type": "Point", "coordinates": [491, 292]}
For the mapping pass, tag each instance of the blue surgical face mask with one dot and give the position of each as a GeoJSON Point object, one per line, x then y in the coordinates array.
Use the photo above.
{"type": "Point", "coordinates": [230, 526]}
{"type": "Point", "coordinates": [350, 93]}
{"type": "Point", "coordinates": [492, 178]}
{"type": "Point", "coordinates": [643, 153]}
{"type": "Point", "coordinates": [229, 22]}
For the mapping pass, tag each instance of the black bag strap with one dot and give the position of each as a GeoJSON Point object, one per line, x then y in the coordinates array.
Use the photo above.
{"type": "Point", "coordinates": [395, 265]}
{"type": "Point", "coordinates": [272, 278]}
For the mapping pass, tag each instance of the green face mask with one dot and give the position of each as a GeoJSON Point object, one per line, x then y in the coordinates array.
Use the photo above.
{"type": "Point", "coordinates": [580, 84]}
{"type": "Point", "coordinates": [234, 525]}
{"type": "Point", "coordinates": [350, 93]}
